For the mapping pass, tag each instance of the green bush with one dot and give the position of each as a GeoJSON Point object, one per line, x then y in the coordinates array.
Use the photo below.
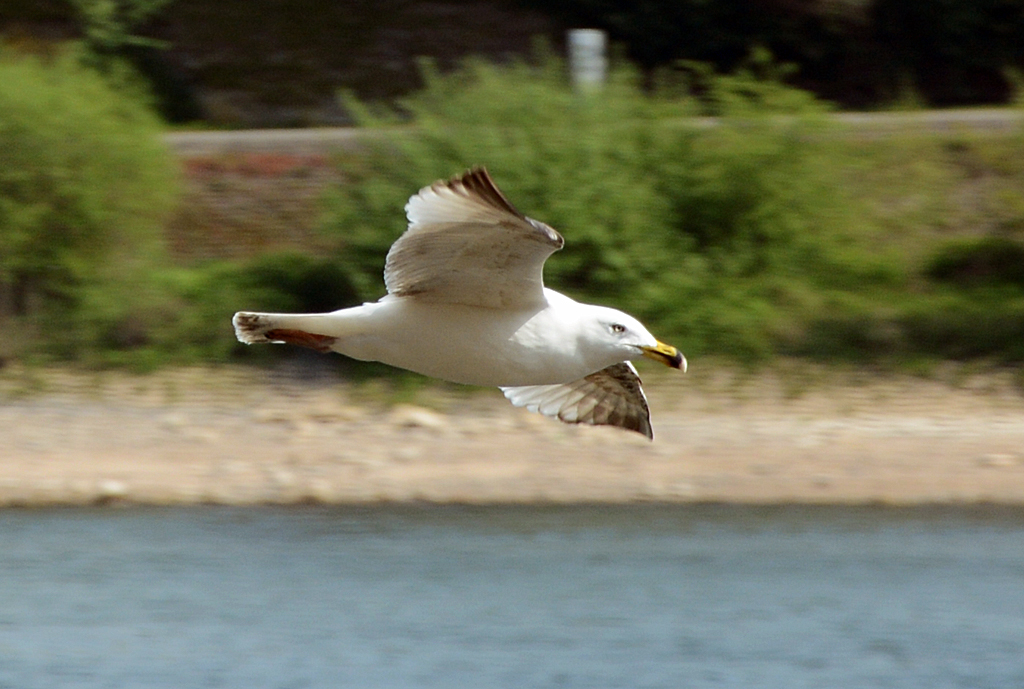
{"type": "Point", "coordinates": [987, 323]}
{"type": "Point", "coordinates": [716, 233]}
{"type": "Point", "coordinates": [85, 186]}
{"type": "Point", "coordinates": [990, 260]}
{"type": "Point", "coordinates": [739, 235]}
{"type": "Point", "coordinates": [191, 320]}
{"type": "Point", "coordinates": [758, 231]}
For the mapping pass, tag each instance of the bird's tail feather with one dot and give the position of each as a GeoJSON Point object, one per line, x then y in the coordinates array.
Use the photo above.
{"type": "Point", "coordinates": [301, 329]}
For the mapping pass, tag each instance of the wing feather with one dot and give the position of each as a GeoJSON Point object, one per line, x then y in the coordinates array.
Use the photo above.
{"type": "Point", "coordinates": [467, 244]}
{"type": "Point", "coordinates": [612, 396]}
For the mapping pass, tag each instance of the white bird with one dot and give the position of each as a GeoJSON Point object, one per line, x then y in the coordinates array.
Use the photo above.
{"type": "Point", "coordinates": [466, 303]}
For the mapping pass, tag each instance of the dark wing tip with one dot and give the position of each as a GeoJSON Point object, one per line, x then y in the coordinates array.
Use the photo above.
{"type": "Point", "coordinates": [478, 182]}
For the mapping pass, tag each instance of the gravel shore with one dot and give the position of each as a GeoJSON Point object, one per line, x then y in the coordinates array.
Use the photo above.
{"type": "Point", "coordinates": [250, 436]}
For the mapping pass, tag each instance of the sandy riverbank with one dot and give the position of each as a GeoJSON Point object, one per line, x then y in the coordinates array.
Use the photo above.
{"type": "Point", "coordinates": [243, 436]}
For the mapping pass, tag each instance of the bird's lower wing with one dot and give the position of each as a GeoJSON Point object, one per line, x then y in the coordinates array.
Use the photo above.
{"type": "Point", "coordinates": [609, 397]}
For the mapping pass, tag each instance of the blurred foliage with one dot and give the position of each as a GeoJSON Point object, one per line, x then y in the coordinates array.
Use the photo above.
{"type": "Point", "coordinates": [107, 24]}
{"type": "Point", "coordinates": [106, 35]}
{"type": "Point", "coordinates": [111, 44]}
{"type": "Point", "coordinates": [85, 188]}
{"type": "Point", "coordinates": [765, 230]}
{"type": "Point", "coordinates": [728, 212]}
{"type": "Point", "coordinates": [198, 302]}
{"type": "Point", "coordinates": [718, 233]}
{"type": "Point", "coordinates": [989, 260]}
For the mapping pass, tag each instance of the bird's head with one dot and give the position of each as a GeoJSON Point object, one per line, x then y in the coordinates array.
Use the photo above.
{"type": "Point", "coordinates": [623, 336]}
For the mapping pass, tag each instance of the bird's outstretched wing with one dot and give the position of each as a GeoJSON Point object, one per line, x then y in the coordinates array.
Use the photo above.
{"type": "Point", "coordinates": [466, 244]}
{"type": "Point", "coordinates": [609, 397]}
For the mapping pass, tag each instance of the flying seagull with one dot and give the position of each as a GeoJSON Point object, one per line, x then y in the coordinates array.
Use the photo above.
{"type": "Point", "coordinates": [466, 302]}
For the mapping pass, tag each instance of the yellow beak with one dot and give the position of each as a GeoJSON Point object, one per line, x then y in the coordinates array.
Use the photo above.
{"type": "Point", "coordinates": [666, 354]}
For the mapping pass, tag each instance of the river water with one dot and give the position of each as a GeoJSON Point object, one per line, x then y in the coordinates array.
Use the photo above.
{"type": "Point", "coordinates": [710, 596]}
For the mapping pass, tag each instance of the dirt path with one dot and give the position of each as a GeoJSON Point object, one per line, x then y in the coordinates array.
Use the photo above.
{"type": "Point", "coordinates": [242, 436]}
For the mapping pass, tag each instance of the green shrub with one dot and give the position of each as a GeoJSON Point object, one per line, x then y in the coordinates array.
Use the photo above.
{"type": "Point", "coordinates": [85, 186]}
{"type": "Point", "coordinates": [290, 281]}
{"type": "Point", "coordinates": [191, 320]}
{"type": "Point", "coordinates": [990, 260]}
{"type": "Point", "coordinates": [985, 323]}
{"type": "Point", "coordinates": [714, 233]}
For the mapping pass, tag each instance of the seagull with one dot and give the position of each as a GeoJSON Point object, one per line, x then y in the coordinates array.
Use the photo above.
{"type": "Point", "coordinates": [466, 303]}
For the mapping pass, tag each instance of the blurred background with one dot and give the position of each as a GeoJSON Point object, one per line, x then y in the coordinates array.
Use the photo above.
{"type": "Point", "coordinates": [821, 202]}
{"type": "Point", "coordinates": [785, 229]}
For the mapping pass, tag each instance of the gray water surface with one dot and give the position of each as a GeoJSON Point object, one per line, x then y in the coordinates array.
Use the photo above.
{"type": "Point", "coordinates": [512, 597]}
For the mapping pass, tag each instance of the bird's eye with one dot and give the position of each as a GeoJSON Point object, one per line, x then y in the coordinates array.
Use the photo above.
{"type": "Point", "coordinates": [618, 328]}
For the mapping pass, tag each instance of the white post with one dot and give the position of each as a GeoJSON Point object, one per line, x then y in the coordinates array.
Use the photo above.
{"type": "Point", "coordinates": [588, 59]}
